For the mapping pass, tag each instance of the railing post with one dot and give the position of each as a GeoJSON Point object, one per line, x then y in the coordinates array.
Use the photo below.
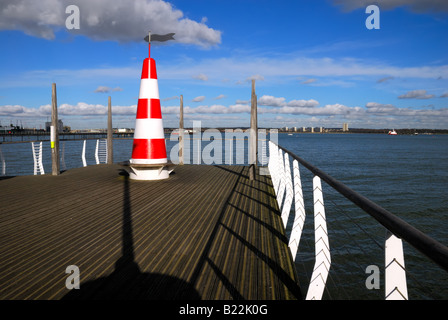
{"type": "Point", "coordinates": [83, 155]}
{"type": "Point", "coordinates": [395, 278]}
{"type": "Point", "coordinates": [34, 158]}
{"type": "Point", "coordinates": [322, 246]}
{"type": "Point", "coordinates": [54, 133]}
{"type": "Point", "coordinates": [2, 160]}
{"type": "Point", "coordinates": [273, 165]}
{"type": "Point", "coordinates": [37, 157]}
{"type": "Point", "coordinates": [281, 182]}
{"type": "Point", "coordinates": [181, 131]}
{"type": "Point", "coordinates": [253, 141]}
{"type": "Point", "coordinates": [97, 159]}
{"type": "Point", "coordinates": [299, 206]}
{"type": "Point", "coordinates": [286, 210]}
{"type": "Point", "coordinates": [110, 154]}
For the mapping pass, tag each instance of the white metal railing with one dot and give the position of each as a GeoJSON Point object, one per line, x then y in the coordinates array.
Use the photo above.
{"type": "Point", "coordinates": [3, 162]}
{"type": "Point", "coordinates": [280, 171]}
{"type": "Point", "coordinates": [101, 151]}
{"type": "Point", "coordinates": [37, 157]}
{"type": "Point", "coordinates": [83, 154]}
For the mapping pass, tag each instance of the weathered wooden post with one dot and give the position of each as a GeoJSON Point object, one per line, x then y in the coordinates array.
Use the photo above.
{"type": "Point", "coordinates": [110, 151]}
{"type": "Point", "coordinates": [253, 143]}
{"type": "Point", "coordinates": [54, 133]}
{"type": "Point", "coordinates": [181, 131]}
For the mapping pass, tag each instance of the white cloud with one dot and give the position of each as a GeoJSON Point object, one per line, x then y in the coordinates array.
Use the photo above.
{"type": "Point", "coordinates": [390, 115]}
{"type": "Point", "coordinates": [199, 99]}
{"type": "Point", "coordinates": [123, 21]}
{"type": "Point", "coordinates": [416, 94]}
{"type": "Point", "coordinates": [234, 69]}
{"type": "Point", "coordinates": [379, 108]}
{"type": "Point", "coordinates": [80, 109]}
{"type": "Point", "coordinates": [9, 110]}
{"type": "Point", "coordinates": [221, 96]}
{"type": "Point", "coordinates": [201, 76]}
{"type": "Point", "coordinates": [102, 89]}
{"type": "Point", "coordinates": [327, 110]}
{"type": "Point", "coordinates": [285, 67]}
{"type": "Point", "coordinates": [308, 81]}
{"type": "Point", "coordinates": [384, 79]}
{"type": "Point", "coordinates": [272, 101]}
{"type": "Point", "coordinates": [220, 109]}
{"type": "Point", "coordinates": [303, 103]}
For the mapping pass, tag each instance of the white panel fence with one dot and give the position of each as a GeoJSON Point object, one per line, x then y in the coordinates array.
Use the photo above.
{"type": "Point", "coordinates": [288, 189]}
{"type": "Point", "coordinates": [100, 156]}
{"type": "Point", "coordinates": [37, 157]}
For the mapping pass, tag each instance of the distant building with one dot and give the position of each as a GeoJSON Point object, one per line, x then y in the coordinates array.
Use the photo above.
{"type": "Point", "coordinates": [345, 127]}
{"type": "Point", "coordinates": [60, 126]}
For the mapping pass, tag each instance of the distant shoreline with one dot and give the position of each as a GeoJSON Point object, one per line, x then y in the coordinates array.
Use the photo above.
{"type": "Point", "coordinates": [412, 131]}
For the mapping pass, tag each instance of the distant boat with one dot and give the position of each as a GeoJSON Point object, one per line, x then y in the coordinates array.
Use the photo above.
{"type": "Point", "coordinates": [289, 134]}
{"type": "Point", "coordinates": [392, 133]}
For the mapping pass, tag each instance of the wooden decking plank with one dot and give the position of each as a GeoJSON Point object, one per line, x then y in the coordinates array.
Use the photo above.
{"type": "Point", "coordinates": [196, 233]}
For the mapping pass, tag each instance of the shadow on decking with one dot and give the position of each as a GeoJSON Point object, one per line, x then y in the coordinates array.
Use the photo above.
{"type": "Point", "coordinates": [127, 282]}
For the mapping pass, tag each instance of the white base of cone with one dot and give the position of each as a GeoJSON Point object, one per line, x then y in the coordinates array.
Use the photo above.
{"type": "Point", "coordinates": [154, 172]}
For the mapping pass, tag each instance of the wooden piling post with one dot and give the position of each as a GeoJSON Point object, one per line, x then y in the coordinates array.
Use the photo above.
{"type": "Point", "coordinates": [110, 151]}
{"type": "Point", "coordinates": [181, 131]}
{"type": "Point", "coordinates": [54, 133]}
{"type": "Point", "coordinates": [253, 143]}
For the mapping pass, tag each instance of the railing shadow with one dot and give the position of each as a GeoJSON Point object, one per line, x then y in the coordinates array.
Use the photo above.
{"type": "Point", "coordinates": [276, 268]}
{"type": "Point", "coordinates": [127, 282]}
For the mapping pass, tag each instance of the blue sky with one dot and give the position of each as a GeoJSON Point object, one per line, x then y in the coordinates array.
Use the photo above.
{"type": "Point", "coordinates": [314, 61]}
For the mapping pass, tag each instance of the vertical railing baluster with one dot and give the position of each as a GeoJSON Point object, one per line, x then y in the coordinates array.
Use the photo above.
{"type": "Point", "coordinates": [395, 272]}
{"type": "Point", "coordinates": [288, 191]}
{"type": "Point", "coordinates": [96, 152]}
{"type": "Point", "coordinates": [2, 160]}
{"type": "Point", "coordinates": [322, 246]}
{"type": "Point", "coordinates": [281, 184]}
{"type": "Point", "coordinates": [273, 165]}
{"type": "Point", "coordinates": [299, 206]}
{"type": "Point", "coordinates": [83, 155]}
{"type": "Point", "coordinates": [37, 158]}
{"type": "Point", "coordinates": [41, 165]}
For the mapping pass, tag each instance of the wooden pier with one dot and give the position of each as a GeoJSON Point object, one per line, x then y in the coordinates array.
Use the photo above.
{"type": "Point", "coordinates": [207, 232]}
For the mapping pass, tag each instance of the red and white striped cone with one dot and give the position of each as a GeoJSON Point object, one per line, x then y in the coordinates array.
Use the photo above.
{"type": "Point", "coordinates": [149, 149]}
{"type": "Point", "coordinates": [149, 138]}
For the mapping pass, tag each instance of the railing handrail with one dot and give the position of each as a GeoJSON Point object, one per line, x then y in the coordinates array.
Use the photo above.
{"type": "Point", "coordinates": [433, 249]}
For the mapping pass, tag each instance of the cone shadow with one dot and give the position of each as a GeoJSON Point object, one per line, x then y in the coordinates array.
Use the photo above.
{"type": "Point", "coordinates": [127, 282]}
